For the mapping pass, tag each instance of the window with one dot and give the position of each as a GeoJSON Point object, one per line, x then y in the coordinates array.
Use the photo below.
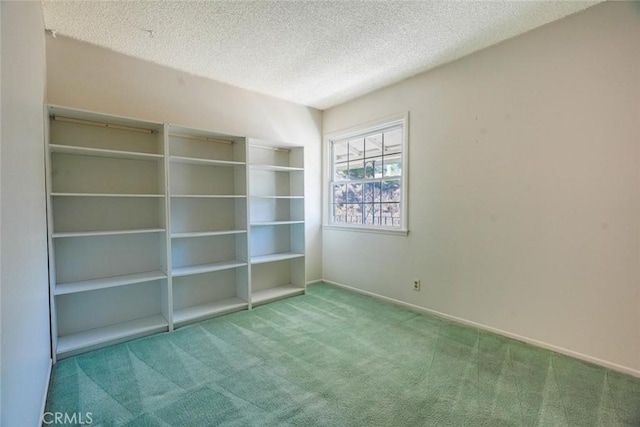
{"type": "Point", "coordinates": [367, 177]}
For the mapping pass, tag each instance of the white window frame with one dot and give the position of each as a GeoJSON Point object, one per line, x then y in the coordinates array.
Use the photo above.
{"type": "Point", "coordinates": [401, 120]}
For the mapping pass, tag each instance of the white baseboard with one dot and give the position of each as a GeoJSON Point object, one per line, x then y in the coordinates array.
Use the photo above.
{"type": "Point", "coordinates": [313, 282]}
{"type": "Point", "coordinates": [561, 350]}
{"type": "Point", "coordinates": [46, 391]}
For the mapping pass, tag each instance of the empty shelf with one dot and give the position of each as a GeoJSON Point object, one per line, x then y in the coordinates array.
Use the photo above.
{"type": "Point", "coordinates": [104, 195]}
{"type": "Point", "coordinates": [209, 309]}
{"type": "Point", "coordinates": [210, 196]}
{"type": "Point", "coordinates": [99, 152]}
{"type": "Point", "coordinates": [198, 161]}
{"type": "Point", "coordinates": [106, 233]}
{"type": "Point", "coordinates": [277, 197]}
{"type": "Point", "coordinates": [206, 268]}
{"type": "Point", "coordinates": [107, 282]}
{"type": "Point", "coordinates": [93, 337]}
{"type": "Point", "coordinates": [205, 233]}
{"type": "Point", "coordinates": [278, 292]}
{"type": "Point", "coordinates": [263, 223]}
{"type": "Point", "coordinates": [274, 257]}
{"type": "Point", "coordinates": [276, 168]}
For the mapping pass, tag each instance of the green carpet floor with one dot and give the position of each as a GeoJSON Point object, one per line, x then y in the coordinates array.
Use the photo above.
{"type": "Point", "coordinates": [336, 358]}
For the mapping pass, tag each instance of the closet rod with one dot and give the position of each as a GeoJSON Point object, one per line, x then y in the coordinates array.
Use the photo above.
{"type": "Point", "coordinates": [100, 124]}
{"type": "Point", "coordinates": [202, 138]}
{"type": "Point", "coordinates": [266, 147]}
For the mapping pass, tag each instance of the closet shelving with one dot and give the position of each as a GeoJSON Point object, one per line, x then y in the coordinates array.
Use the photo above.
{"type": "Point", "coordinates": [106, 192]}
{"type": "Point", "coordinates": [208, 205]}
{"type": "Point", "coordinates": [154, 226]}
{"type": "Point", "coordinates": [277, 221]}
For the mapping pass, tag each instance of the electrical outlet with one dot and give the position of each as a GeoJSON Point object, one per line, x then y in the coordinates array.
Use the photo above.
{"type": "Point", "coordinates": [416, 285]}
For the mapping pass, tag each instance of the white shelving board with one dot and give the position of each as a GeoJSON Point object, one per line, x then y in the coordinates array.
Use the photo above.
{"type": "Point", "coordinates": [106, 233]}
{"type": "Point", "coordinates": [108, 282]}
{"type": "Point", "coordinates": [205, 233]}
{"type": "Point", "coordinates": [206, 268]}
{"type": "Point", "coordinates": [111, 333]}
{"type": "Point", "coordinates": [159, 196]}
{"type": "Point", "coordinates": [211, 309]}
{"type": "Point", "coordinates": [210, 162]}
{"type": "Point", "coordinates": [261, 259]}
{"type": "Point", "coordinates": [100, 152]}
{"type": "Point", "coordinates": [275, 168]}
{"type": "Point", "coordinates": [277, 292]}
{"type": "Point", "coordinates": [209, 196]}
{"type": "Point", "coordinates": [265, 223]}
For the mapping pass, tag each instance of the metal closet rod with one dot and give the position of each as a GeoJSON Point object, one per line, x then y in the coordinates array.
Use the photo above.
{"type": "Point", "coordinates": [202, 138]}
{"type": "Point", "coordinates": [266, 147]}
{"type": "Point", "coordinates": [100, 124]}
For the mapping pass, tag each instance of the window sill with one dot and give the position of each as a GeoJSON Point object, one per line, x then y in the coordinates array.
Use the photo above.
{"type": "Point", "coordinates": [390, 231]}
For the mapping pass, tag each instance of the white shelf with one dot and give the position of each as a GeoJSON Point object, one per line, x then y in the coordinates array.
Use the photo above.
{"type": "Point", "coordinates": [208, 310]}
{"type": "Point", "coordinates": [200, 161]}
{"type": "Point", "coordinates": [106, 233]}
{"type": "Point", "coordinates": [206, 268]}
{"type": "Point", "coordinates": [107, 282]}
{"type": "Point", "coordinates": [99, 152]}
{"type": "Point", "coordinates": [93, 337]}
{"type": "Point", "coordinates": [278, 292]}
{"type": "Point", "coordinates": [277, 197]}
{"type": "Point", "coordinates": [105, 195]}
{"type": "Point", "coordinates": [206, 233]}
{"type": "Point", "coordinates": [275, 168]}
{"type": "Point", "coordinates": [210, 196]}
{"type": "Point", "coordinates": [261, 259]}
{"type": "Point", "coordinates": [264, 223]}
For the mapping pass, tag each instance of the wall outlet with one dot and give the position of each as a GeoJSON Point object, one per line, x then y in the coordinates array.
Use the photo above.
{"type": "Point", "coordinates": [416, 285]}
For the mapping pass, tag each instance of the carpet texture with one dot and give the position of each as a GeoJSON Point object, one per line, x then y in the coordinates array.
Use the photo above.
{"type": "Point", "coordinates": [337, 358]}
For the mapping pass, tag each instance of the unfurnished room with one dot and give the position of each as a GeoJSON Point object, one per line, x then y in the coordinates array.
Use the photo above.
{"type": "Point", "coordinates": [320, 213]}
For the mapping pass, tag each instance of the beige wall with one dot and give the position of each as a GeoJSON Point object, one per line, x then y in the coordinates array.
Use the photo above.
{"type": "Point", "coordinates": [83, 76]}
{"type": "Point", "coordinates": [24, 292]}
{"type": "Point", "coordinates": [524, 189]}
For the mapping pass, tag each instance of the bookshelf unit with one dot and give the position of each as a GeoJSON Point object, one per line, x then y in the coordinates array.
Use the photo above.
{"type": "Point", "coordinates": [107, 229]}
{"type": "Point", "coordinates": [153, 226]}
{"type": "Point", "coordinates": [208, 211]}
{"type": "Point", "coordinates": [277, 221]}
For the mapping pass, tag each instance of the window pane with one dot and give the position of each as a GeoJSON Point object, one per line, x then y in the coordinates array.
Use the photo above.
{"type": "Point", "coordinates": [340, 213]}
{"type": "Point", "coordinates": [354, 193]}
{"type": "Point", "coordinates": [372, 192]}
{"type": "Point", "coordinates": [339, 193]}
{"type": "Point", "coordinates": [354, 214]}
{"type": "Point", "coordinates": [373, 146]}
{"type": "Point", "coordinates": [340, 160]}
{"type": "Point", "coordinates": [356, 169]}
{"type": "Point", "coordinates": [356, 149]}
{"type": "Point", "coordinates": [392, 167]}
{"type": "Point", "coordinates": [393, 141]}
{"type": "Point", "coordinates": [391, 190]}
{"type": "Point", "coordinates": [390, 215]}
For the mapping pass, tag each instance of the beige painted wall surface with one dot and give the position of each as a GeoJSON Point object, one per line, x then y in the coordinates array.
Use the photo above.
{"type": "Point", "coordinates": [524, 193]}
{"type": "Point", "coordinates": [24, 294]}
{"type": "Point", "coordinates": [83, 76]}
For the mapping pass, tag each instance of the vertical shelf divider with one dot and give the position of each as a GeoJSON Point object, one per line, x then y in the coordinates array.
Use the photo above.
{"type": "Point", "coordinates": [168, 292]}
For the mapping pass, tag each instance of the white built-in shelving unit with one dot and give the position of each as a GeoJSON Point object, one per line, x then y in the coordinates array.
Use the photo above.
{"type": "Point", "coordinates": [107, 229]}
{"type": "Point", "coordinates": [152, 226]}
{"type": "Point", "coordinates": [277, 221]}
{"type": "Point", "coordinates": [208, 210]}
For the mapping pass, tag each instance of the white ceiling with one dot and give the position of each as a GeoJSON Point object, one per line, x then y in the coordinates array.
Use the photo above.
{"type": "Point", "coordinates": [317, 53]}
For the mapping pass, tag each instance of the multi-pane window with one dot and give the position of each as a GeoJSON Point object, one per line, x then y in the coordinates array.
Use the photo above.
{"type": "Point", "coordinates": [367, 178]}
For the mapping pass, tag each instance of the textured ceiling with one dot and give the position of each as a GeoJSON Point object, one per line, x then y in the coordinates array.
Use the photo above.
{"type": "Point", "coordinates": [317, 53]}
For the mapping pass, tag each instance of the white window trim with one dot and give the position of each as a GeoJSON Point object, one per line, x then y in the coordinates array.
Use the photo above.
{"type": "Point", "coordinates": [397, 119]}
